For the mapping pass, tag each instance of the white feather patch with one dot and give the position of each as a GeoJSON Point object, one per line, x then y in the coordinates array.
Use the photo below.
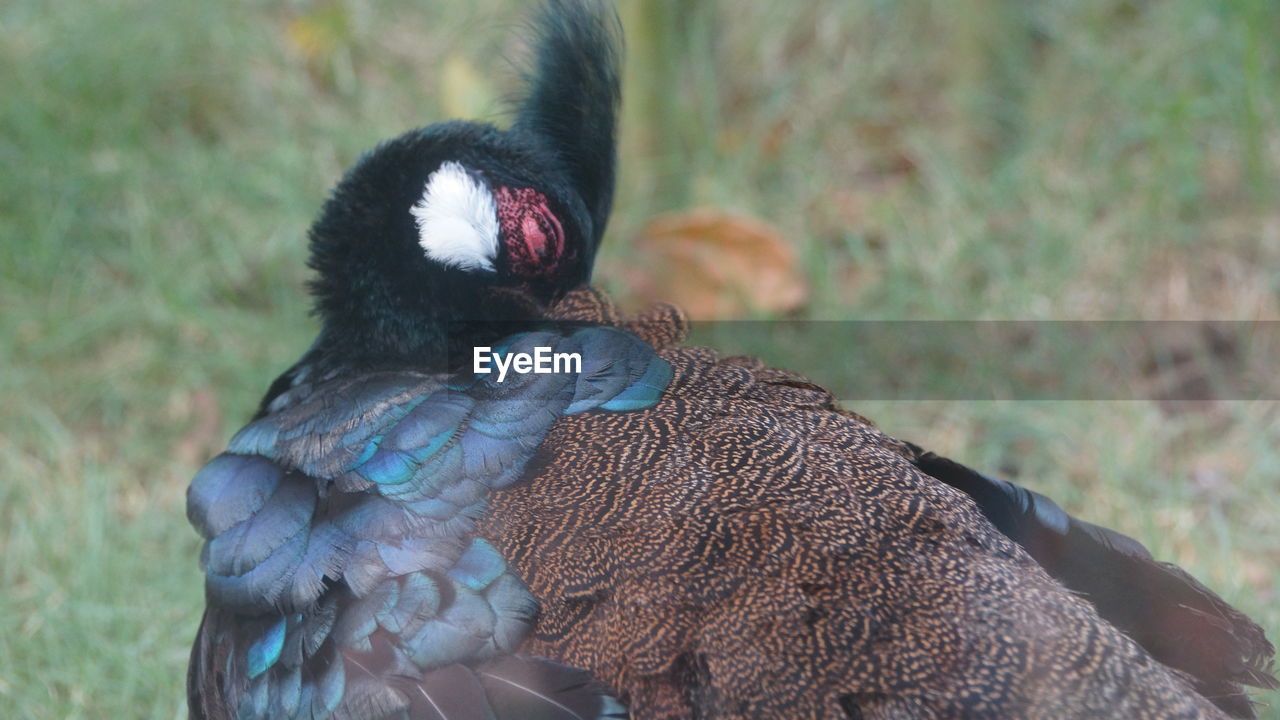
{"type": "Point", "coordinates": [457, 219]}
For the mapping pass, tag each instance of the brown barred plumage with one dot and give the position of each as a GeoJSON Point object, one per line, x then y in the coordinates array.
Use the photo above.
{"type": "Point", "coordinates": [746, 549]}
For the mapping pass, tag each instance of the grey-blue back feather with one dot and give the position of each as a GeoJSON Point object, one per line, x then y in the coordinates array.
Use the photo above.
{"type": "Point", "coordinates": [339, 528]}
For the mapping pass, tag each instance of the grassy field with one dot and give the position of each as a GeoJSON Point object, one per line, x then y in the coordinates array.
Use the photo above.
{"type": "Point", "coordinates": [977, 159]}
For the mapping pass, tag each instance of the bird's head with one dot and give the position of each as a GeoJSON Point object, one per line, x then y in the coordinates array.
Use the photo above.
{"type": "Point", "coordinates": [460, 224]}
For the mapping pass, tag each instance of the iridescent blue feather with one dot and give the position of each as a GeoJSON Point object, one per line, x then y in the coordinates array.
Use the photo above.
{"type": "Point", "coordinates": [339, 526]}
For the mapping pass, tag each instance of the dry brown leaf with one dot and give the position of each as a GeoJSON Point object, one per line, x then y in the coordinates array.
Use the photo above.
{"type": "Point", "coordinates": [717, 264]}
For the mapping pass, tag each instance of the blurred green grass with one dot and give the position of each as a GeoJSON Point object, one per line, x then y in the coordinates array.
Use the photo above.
{"type": "Point", "coordinates": [961, 160]}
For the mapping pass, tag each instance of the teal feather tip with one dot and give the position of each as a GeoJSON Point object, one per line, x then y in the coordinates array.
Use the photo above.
{"type": "Point", "coordinates": [264, 652]}
{"type": "Point", "coordinates": [480, 565]}
{"type": "Point", "coordinates": [645, 392]}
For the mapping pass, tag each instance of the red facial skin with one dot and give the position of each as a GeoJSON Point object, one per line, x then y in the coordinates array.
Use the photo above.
{"type": "Point", "coordinates": [531, 232]}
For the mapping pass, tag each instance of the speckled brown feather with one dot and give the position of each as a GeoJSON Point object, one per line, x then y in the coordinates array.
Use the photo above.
{"type": "Point", "coordinates": [745, 549]}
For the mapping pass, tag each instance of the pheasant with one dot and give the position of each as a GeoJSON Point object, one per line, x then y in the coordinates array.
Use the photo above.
{"type": "Point", "coordinates": [644, 529]}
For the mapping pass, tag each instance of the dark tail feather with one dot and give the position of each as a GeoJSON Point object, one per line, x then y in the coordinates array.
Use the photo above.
{"type": "Point", "coordinates": [513, 687]}
{"type": "Point", "coordinates": [1182, 623]}
{"type": "Point", "coordinates": [539, 689]}
{"type": "Point", "coordinates": [573, 96]}
{"type": "Point", "coordinates": [205, 685]}
{"type": "Point", "coordinates": [376, 684]}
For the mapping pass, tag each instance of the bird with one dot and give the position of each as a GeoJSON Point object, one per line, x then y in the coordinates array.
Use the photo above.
{"type": "Point", "coordinates": [647, 530]}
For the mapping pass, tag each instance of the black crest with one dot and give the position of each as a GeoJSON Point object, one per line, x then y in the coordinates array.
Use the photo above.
{"type": "Point", "coordinates": [573, 98]}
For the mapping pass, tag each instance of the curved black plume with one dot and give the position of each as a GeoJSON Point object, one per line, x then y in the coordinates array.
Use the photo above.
{"type": "Point", "coordinates": [572, 102]}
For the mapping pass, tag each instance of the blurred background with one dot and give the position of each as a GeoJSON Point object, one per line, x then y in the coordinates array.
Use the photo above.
{"type": "Point", "coordinates": [833, 160]}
